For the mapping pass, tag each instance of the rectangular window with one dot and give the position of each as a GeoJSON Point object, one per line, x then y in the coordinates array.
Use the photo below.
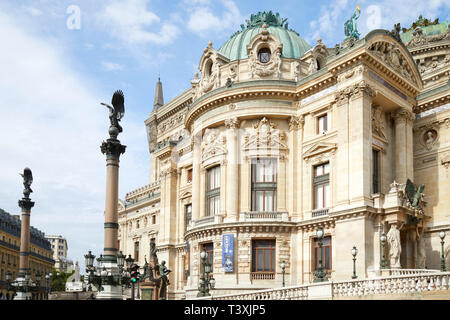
{"type": "Point", "coordinates": [264, 184]}
{"type": "Point", "coordinates": [189, 176]}
{"type": "Point", "coordinates": [213, 191]}
{"type": "Point", "coordinates": [321, 186]}
{"type": "Point", "coordinates": [263, 256]}
{"type": "Point", "coordinates": [153, 219]}
{"type": "Point", "coordinates": [326, 254]}
{"type": "Point", "coordinates": [209, 248]}
{"type": "Point", "coordinates": [375, 171]}
{"type": "Point", "coordinates": [188, 215]}
{"type": "Point", "coordinates": [136, 252]}
{"type": "Point", "coordinates": [322, 124]}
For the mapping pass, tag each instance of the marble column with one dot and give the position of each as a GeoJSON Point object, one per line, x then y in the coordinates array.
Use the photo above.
{"type": "Point", "coordinates": [232, 192]}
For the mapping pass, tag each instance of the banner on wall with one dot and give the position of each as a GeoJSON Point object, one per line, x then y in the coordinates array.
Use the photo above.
{"type": "Point", "coordinates": [228, 252]}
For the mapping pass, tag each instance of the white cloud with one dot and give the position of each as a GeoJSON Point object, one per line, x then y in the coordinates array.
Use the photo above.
{"type": "Point", "coordinates": [131, 22]}
{"type": "Point", "coordinates": [53, 123]}
{"type": "Point", "coordinates": [202, 19]}
{"type": "Point", "coordinates": [111, 66]}
{"type": "Point", "coordinates": [33, 11]}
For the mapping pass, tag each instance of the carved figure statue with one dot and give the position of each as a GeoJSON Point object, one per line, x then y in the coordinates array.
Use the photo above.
{"type": "Point", "coordinates": [116, 112]}
{"type": "Point", "coordinates": [350, 27]}
{"type": "Point", "coordinates": [312, 66]}
{"type": "Point", "coordinates": [421, 254]}
{"type": "Point", "coordinates": [27, 181]}
{"type": "Point", "coordinates": [395, 248]}
{"type": "Point", "coordinates": [413, 193]}
{"type": "Point", "coordinates": [163, 271]}
{"type": "Point", "coordinates": [430, 137]}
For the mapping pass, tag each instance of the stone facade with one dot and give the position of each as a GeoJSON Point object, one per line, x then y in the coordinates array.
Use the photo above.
{"type": "Point", "coordinates": [366, 112]}
{"type": "Point", "coordinates": [40, 258]}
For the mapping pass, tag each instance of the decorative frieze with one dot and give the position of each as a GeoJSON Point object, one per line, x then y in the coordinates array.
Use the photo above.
{"type": "Point", "coordinates": [213, 144]}
{"type": "Point", "coordinates": [232, 123]}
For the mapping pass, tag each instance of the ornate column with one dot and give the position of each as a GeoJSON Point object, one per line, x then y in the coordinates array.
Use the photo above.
{"type": "Point", "coordinates": [401, 118]}
{"type": "Point", "coordinates": [232, 193]}
{"type": "Point", "coordinates": [113, 149]}
{"type": "Point", "coordinates": [196, 154]}
{"type": "Point", "coordinates": [295, 130]}
{"type": "Point", "coordinates": [24, 265]}
{"type": "Point", "coordinates": [281, 184]}
{"type": "Point", "coordinates": [202, 208]}
{"type": "Point", "coordinates": [223, 187]}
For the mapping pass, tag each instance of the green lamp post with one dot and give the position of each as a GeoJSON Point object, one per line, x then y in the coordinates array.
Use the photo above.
{"type": "Point", "coordinates": [354, 253]}
{"type": "Point", "coordinates": [442, 236]}
{"type": "Point", "coordinates": [320, 274]}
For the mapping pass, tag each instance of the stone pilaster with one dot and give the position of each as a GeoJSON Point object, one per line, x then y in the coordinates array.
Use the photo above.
{"type": "Point", "coordinates": [196, 177]}
{"type": "Point", "coordinates": [294, 140]}
{"type": "Point", "coordinates": [232, 177]}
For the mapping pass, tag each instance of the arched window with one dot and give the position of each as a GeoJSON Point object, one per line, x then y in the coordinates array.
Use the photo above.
{"type": "Point", "coordinates": [264, 55]}
{"type": "Point", "coordinates": [208, 68]}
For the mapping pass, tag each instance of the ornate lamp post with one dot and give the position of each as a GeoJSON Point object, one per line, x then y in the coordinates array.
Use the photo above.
{"type": "Point", "coordinates": [38, 283]}
{"type": "Point", "coordinates": [442, 236]}
{"type": "Point", "coordinates": [48, 279]}
{"type": "Point", "coordinates": [320, 274]}
{"type": "Point", "coordinates": [283, 267]}
{"type": "Point", "coordinates": [206, 282]}
{"type": "Point", "coordinates": [354, 253]}
{"type": "Point", "coordinates": [383, 239]}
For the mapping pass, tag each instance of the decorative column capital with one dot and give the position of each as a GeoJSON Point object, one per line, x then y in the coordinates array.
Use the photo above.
{"type": "Point", "coordinates": [296, 122]}
{"type": "Point", "coordinates": [112, 148]}
{"type": "Point", "coordinates": [402, 115]}
{"type": "Point", "coordinates": [26, 204]}
{"type": "Point", "coordinates": [362, 88]}
{"type": "Point", "coordinates": [232, 123]}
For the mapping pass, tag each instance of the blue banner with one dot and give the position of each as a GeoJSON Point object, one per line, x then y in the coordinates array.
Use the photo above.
{"type": "Point", "coordinates": [227, 252]}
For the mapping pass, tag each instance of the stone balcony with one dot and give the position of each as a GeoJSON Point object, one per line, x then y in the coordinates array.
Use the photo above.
{"type": "Point", "coordinates": [251, 216]}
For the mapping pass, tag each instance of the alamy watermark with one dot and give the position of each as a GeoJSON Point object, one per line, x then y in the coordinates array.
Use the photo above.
{"type": "Point", "coordinates": [73, 22]}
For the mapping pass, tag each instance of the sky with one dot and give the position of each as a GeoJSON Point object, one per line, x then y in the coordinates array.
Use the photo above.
{"type": "Point", "coordinates": [61, 58]}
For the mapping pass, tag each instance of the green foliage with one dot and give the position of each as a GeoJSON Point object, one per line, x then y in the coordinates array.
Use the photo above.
{"type": "Point", "coordinates": [59, 280]}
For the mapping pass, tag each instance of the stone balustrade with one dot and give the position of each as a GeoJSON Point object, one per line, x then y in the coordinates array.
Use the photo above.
{"type": "Point", "coordinates": [422, 281]}
{"type": "Point", "coordinates": [263, 275]}
{"type": "Point", "coordinates": [263, 215]}
{"type": "Point", "coordinates": [401, 272]}
{"type": "Point", "coordinates": [319, 212]}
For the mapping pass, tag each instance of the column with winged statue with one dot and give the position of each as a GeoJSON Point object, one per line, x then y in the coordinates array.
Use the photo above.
{"type": "Point", "coordinates": [22, 283]}
{"type": "Point", "coordinates": [112, 148]}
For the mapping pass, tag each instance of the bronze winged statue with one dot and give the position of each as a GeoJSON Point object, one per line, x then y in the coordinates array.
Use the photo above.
{"type": "Point", "coordinates": [117, 110]}
{"type": "Point", "coordinates": [413, 193]}
{"type": "Point", "coordinates": [27, 180]}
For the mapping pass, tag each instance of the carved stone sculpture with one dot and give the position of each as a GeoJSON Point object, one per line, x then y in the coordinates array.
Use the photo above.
{"type": "Point", "coordinates": [395, 247]}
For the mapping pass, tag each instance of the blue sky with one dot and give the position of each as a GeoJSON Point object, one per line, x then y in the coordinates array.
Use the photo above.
{"type": "Point", "coordinates": [60, 59]}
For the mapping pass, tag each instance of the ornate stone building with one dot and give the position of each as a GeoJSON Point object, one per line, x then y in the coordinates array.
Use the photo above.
{"type": "Point", "coordinates": [40, 254]}
{"type": "Point", "coordinates": [276, 139]}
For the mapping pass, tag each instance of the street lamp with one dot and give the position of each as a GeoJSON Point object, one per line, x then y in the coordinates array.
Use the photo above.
{"type": "Point", "coordinates": [283, 267]}
{"type": "Point", "coordinates": [206, 282]}
{"type": "Point", "coordinates": [442, 236]}
{"type": "Point", "coordinates": [320, 273]}
{"type": "Point", "coordinates": [354, 253]}
{"type": "Point", "coordinates": [120, 260]}
{"type": "Point", "coordinates": [383, 253]}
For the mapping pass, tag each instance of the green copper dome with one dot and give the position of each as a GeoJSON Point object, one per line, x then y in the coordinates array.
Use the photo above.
{"type": "Point", "coordinates": [293, 45]}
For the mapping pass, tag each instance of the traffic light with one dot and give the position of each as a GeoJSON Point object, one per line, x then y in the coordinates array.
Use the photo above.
{"type": "Point", "coordinates": [134, 275]}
